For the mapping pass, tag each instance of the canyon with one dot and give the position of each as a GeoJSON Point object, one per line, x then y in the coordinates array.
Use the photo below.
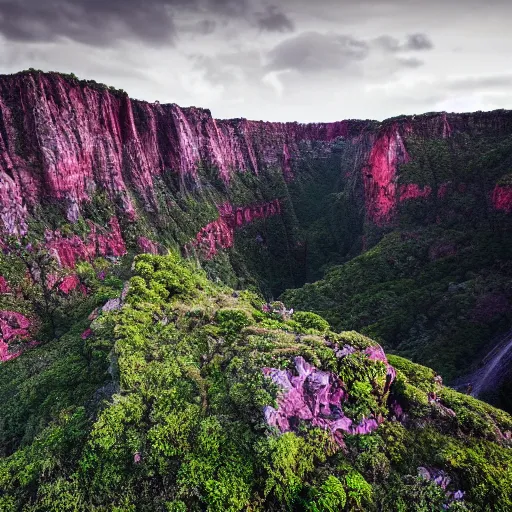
{"type": "Point", "coordinates": [63, 140]}
{"type": "Point", "coordinates": [88, 172]}
{"type": "Point", "coordinates": [144, 361]}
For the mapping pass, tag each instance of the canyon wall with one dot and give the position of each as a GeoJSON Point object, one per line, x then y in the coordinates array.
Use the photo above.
{"type": "Point", "coordinates": [64, 140]}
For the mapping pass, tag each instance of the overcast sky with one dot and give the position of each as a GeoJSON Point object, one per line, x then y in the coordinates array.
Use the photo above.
{"type": "Point", "coordinates": [278, 60]}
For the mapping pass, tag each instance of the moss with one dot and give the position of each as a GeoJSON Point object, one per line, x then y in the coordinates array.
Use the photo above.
{"type": "Point", "coordinates": [310, 321]}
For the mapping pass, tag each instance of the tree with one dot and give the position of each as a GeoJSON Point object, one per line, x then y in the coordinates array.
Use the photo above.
{"type": "Point", "coordinates": [36, 273]}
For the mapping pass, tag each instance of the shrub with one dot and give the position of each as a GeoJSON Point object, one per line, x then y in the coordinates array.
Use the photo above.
{"type": "Point", "coordinates": [310, 321]}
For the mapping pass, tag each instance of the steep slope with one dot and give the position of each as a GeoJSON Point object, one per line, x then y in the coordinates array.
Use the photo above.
{"type": "Point", "coordinates": [185, 395]}
{"type": "Point", "coordinates": [76, 150]}
{"type": "Point", "coordinates": [73, 150]}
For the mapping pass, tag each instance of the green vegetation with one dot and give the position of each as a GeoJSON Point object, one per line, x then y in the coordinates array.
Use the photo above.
{"type": "Point", "coordinates": [162, 409]}
{"type": "Point", "coordinates": [432, 295]}
{"type": "Point", "coordinates": [159, 404]}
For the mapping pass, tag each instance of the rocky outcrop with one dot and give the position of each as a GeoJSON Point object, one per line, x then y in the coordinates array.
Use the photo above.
{"type": "Point", "coordinates": [69, 284]}
{"type": "Point", "coordinates": [388, 151]}
{"type": "Point", "coordinates": [413, 191]}
{"type": "Point", "coordinates": [4, 285]}
{"type": "Point", "coordinates": [13, 327]}
{"type": "Point", "coordinates": [220, 233]}
{"type": "Point", "coordinates": [147, 246]}
{"type": "Point", "coordinates": [315, 396]}
{"type": "Point", "coordinates": [99, 242]}
{"type": "Point", "coordinates": [502, 198]}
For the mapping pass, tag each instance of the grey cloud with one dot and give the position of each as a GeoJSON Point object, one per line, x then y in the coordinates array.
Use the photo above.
{"type": "Point", "coordinates": [87, 21]}
{"type": "Point", "coordinates": [388, 43]}
{"type": "Point", "coordinates": [410, 63]}
{"type": "Point", "coordinates": [229, 68]}
{"type": "Point", "coordinates": [97, 22]}
{"type": "Point", "coordinates": [479, 83]}
{"type": "Point", "coordinates": [213, 70]}
{"type": "Point", "coordinates": [418, 42]}
{"type": "Point", "coordinates": [313, 51]}
{"type": "Point", "coordinates": [274, 20]}
{"type": "Point", "coordinates": [413, 42]}
{"type": "Point", "coordinates": [202, 27]}
{"type": "Point", "coordinates": [233, 8]}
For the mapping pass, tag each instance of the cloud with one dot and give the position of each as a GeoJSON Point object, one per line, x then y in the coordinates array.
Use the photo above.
{"type": "Point", "coordinates": [229, 68]}
{"type": "Point", "coordinates": [411, 62]}
{"type": "Point", "coordinates": [314, 52]}
{"type": "Point", "coordinates": [202, 27]}
{"type": "Point", "coordinates": [413, 42]}
{"type": "Point", "coordinates": [100, 22]}
{"type": "Point", "coordinates": [418, 42]}
{"type": "Point", "coordinates": [93, 22]}
{"type": "Point", "coordinates": [473, 83]}
{"type": "Point", "coordinates": [274, 20]}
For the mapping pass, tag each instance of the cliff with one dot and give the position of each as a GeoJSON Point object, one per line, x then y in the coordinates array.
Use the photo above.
{"type": "Point", "coordinates": [63, 140]}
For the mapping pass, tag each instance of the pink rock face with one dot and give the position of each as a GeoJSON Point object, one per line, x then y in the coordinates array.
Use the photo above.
{"type": "Point", "coordinates": [376, 353]}
{"type": "Point", "coordinates": [387, 153]}
{"type": "Point", "coordinates": [62, 140]}
{"type": "Point", "coordinates": [87, 334]}
{"type": "Point", "coordinates": [13, 326]}
{"type": "Point", "coordinates": [69, 283]}
{"type": "Point", "coordinates": [397, 410]}
{"type": "Point", "coordinates": [413, 191]}
{"type": "Point", "coordinates": [220, 233]}
{"type": "Point", "coordinates": [147, 246]}
{"type": "Point", "coordinates": [502, 198]}
{"type": "Point", "coordinates": [99, 243]}
{"type": "Point", "coordinates": [4, 285]}
{"type": "Point", "coordinates": [79, 139]}
{"type": "Point", "coordinates": [316, 396]}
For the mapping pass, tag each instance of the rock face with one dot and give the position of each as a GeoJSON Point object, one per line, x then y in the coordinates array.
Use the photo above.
{"type": "Point", "coordinates": [4, 285]}
{"type": "Point", "coordinates": [100, 242]}
{"type": "Point", "coordinates": [13, 326]}
{"type": "Point", "coordinates": [380, 187]}
{"type": "Point", "coordinates": [147, 246]}
{"type": "Point", "coordinates": [65, 140]}
{"type": "Point", "coordinates": [502, 198]}
{"type": "Point", "coordinates": [219, 234]}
